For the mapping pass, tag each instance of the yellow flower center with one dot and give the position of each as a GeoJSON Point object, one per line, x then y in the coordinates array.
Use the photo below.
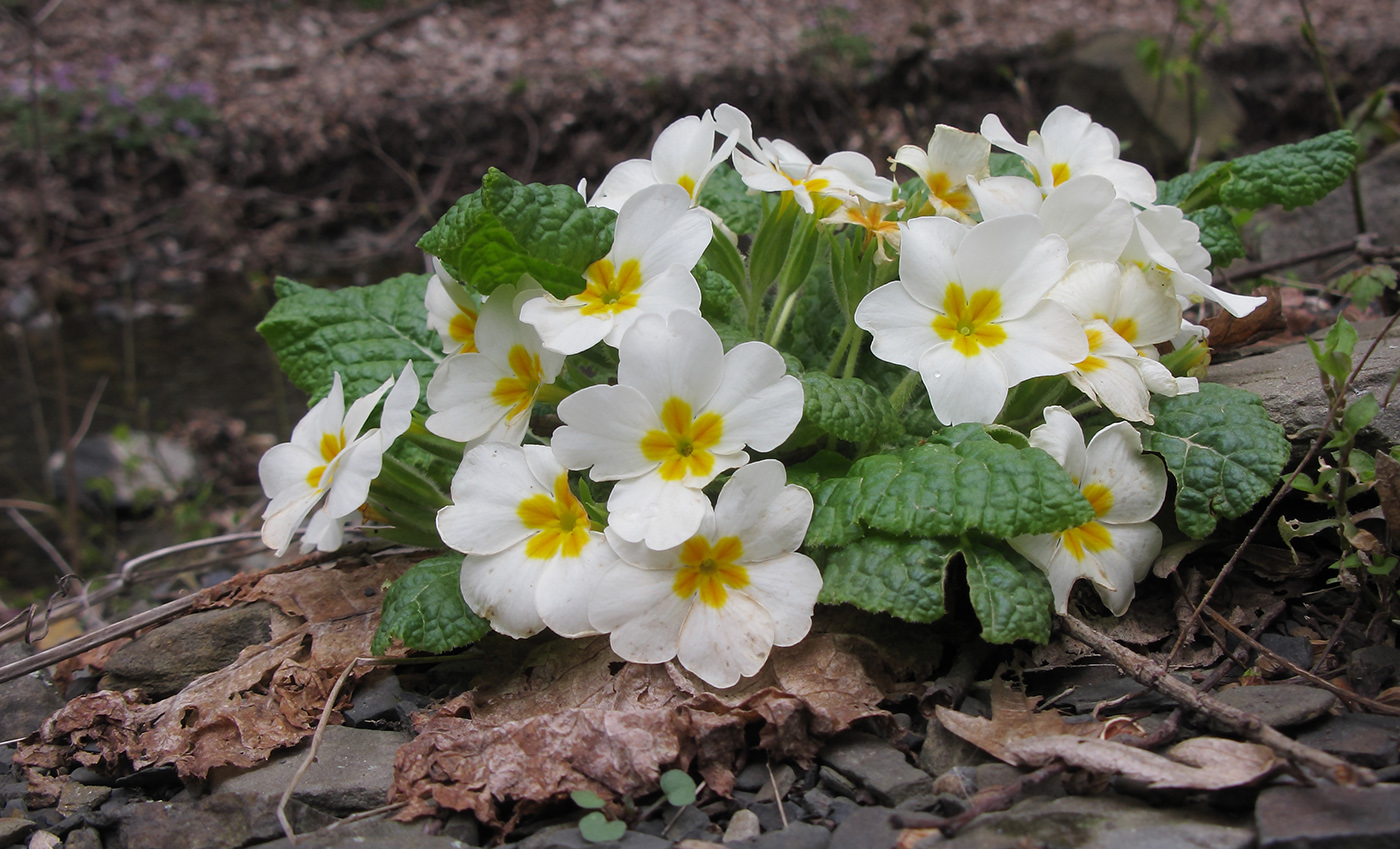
{"type": "Point", "coordinates": [942, 188]}
{"type": "Point", "coordinates": [1059, 172]}
{"type": "Point", "coordinates": [683, 447]}
{"type": "Point", "coordinates": [1100, 498]}
{"type": "Point", "coordinates": [687, 183]}
{"type": "Point", "coordinates": [462, 329]}
{"type": "Point", "coordinates": [331, 445]}
{"type": "Point", "coordinates": [560, 523]}
{"type": "Point", "coordinates": [609, 289]}
{"type": "Point", "coordinates": [517, 393]}
{"type": "Point", "coordinates": [1091, 362]}
{"type": "Point", "coordinates": [969, 322]}
{"type": "Point", "coordinates": [1125, 327]}
{"type": "Point", "coordinates": [710, 571]}
{"type": "Point", "coordinates": [1089, 538]}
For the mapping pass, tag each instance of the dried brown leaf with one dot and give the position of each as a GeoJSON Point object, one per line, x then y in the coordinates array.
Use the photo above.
{"type": "Point", "coordinates": [1014, 717]}
{"type": "Point", "coordinates": [1228, 332]}
{"type": "Point", "coordinates": [1388, 489]}
{"type": "Point", "coordinates": [1201, 763]}
{"type": "Point", "coordinates": [580, 718]}
{"type": "Point", "coordinates": [271, 697]}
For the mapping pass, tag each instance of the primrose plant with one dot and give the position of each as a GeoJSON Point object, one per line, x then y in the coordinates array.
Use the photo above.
{"type": "Point", "coordinates": [738, 382]}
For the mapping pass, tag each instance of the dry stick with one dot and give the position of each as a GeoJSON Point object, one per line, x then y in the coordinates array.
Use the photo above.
{"type": "Point", "coordinates": [1333, 410]}
{"type": "Point", "coordinates": [1336, 635]}
{"type": "Point", "coordinates": [315, 747]}
{"type": "Point", "coordinates": [389, 23]}
{"type": "Point", "coordinates": [1310, 36]}
{"type": "Point", "coordinates": [993, 799]}
{"type": "Point", "coordinates": [33, 533]}
{"type": "Point", "coordinates": [1262, 268]}
{"type": "Point", "coordinates": [1341, 692]}
{"type": "Point", "coordinates": [1250, 726]}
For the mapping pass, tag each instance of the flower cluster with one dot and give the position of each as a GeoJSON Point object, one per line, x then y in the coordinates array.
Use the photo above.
{"type": "Point", "coordinates": [1060, 267]}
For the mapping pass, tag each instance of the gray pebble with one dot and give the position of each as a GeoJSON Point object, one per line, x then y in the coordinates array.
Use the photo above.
{"type": "Point", "coordinates": [1280, 705]}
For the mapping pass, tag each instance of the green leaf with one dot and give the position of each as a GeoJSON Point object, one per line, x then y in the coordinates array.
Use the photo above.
{"type": "Point", "coordinates": [587, 799]}
{"type": "Point", "coordinates": [1219, 235]}
{"type": "Point", "coordinates": [596, 828]}
{"type": "Point", "coordinates": [1012, 597]}
{"type": "Point", "coordinates": [817, 468]}
{"type": "Point", "coordinates": [1196, 189]}
{"type": "Point", "coordinates": [678, 787]}
{"type": "Point", "coordinates": [424, 609]}
{"type": "Point", "coordinates": [963, 480]}
{"type": "Point", "coordinates": [718, 297]}
{"type": "Point", "coordinates": [1291, 175]}
{"type": "Point", "coordinates": [1358, 414]}
{"type": "Point", "coordinates": [1367, 283]}
{"type": "Point", "coordinates": [846, 408]}
{"type": "Point", "coordinates": [1008, 165]}
{"type": "Point", "coordinates": [1221, 447]}
{"type": "Point", "coordinates": [366, 333]}
{"type": "Point", "coordinates": [885, 575]}
{"type": "Point", "coordinates": [726, 195]}
{"type": "Point", "coordinates": [724, 258]}
{"type": "Point", "coordinates": [506, 229]}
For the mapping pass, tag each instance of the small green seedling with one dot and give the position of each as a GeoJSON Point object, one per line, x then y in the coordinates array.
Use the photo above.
{"type": "Point", "coordinates": [678, 787]}
{"type": "Point", "coordinates": [596, 827]}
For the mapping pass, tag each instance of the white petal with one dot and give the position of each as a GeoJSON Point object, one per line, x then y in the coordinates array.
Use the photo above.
{"type": "Point", "coordinates": [359, 411]}
{"type": "Point", "coordinates": [397, 415]}
{"type": "Point", "coordinates": [1047, 340]}
{"type": "Point", "coordinates": [679, 356]}
{"type": "Point", "coordinates": [1010, 256]}
{"type": "Point", "coordinates": [641, 611]}
{"type": "Point", "coordinates": [487, 490]}
{"type": "Point", "coordinates": [461, 394]}
{"type": "Point", "coordinates": [768, 515]}
{"type": "Point", "coordinates": [622, 182]}
{"type": "Point", "coordinates": [928, 258]}
{"type": "Point", "coordinates": [280, 525]}
{"type": "Point", "coordinates": [562, 326]}
{"type": "Point", "coordinates": [658, 228]}
{"type": "Point", "coordinates": [352, 472]}
{"type": "Point", "coordinates": [1087, 213]}
{"type": "Point", "coordinates": [324, 532]}
{"type": "Point", "coordinates": [501, 588]}
{"type": "Point", "coordinates": [901, 327]}
{"type": "Point", "coordinates": [567, 583]}
{"type": "Point", "coordinates": [661, 513]}
{"type": "Point", "coordinates": [1062, 438]}
{"type": "Point", "coordinates": [1138, 481]}
{"type": "Point", "coordinates": [604, 426]}
{"type": "Point", "coordinates": [327, 416]}
{"type": "Point", "coordinates": [285, 467]}
{"type": "Point", "coordinates": [759, 403]}
{"type": "Point", "coordinates": [673, 290]}
{"type": "Point", "coordinates": [722, 645]}
{"type": "Point", "coordinates": [998, 197]}
{"type": "Point", "coordinates": [963, 388]}
{"type": "Point", "coordinates": [787, 586]}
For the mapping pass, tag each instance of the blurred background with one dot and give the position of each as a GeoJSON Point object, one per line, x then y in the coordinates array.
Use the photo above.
{"type": "Point", "coordinates": [162, 161]}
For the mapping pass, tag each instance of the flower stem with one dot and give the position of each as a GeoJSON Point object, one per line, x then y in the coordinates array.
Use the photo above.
{"type": "Point", "coordinates": [846, 337]}
{"type": "Point", "coordinates": [853, 354]}
{"type": "Point", "coordinates": [901, 394]}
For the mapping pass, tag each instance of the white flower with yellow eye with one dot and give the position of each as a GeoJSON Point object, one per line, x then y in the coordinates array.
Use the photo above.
{"type": "Point", "coordinates": [722, 599]}
{"type": "Point", "coordinates": [1116, 548]}
{"type": "Point", "coordinates": [487, 395]}
{"type": "Point", "coordinates": [779, 166]}
{"type": "Point", "coordinates": [970, 314]}
{"type": "Point", "coordinates": [951, 158]}
{"type": "Point", "coordinates": [682, 412]}
{"type": "Point", "coordinates": [451, 311]}
{"type": "Point", "coordinates": [329, 458]}
{"type": "Point", "coordinates": [683, 155]}
{"type": "Point", "coordinates": [657, 241]}
{"type": "Point", "coordinates": [874, 218]}
{"type": "Point", "coordinates": [1070, 144]}
{"type": "Point", "coordinates": [532, 556]}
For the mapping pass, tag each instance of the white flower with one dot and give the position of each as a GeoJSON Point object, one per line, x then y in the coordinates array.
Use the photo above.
{"type": "Point", "coordinates": [778, 166]}
{"type": "Point", "coordinates": [329, 458]}
{"type": "Point", "coordinates": [724, 597]}
{"type": "Point", "coordinates": [1116, 548]}
{"type": "Point", "coordinates": [657, 241]}
{"type": "Point", "coordinates": [969, 312]}
{"type": "Point", "coordinates": [487, 395]}
{"type": "Point", "coordinates": [681, 413]}
{"type": "Point", "coordinates": [532, 556]}
{"type": "Point", "coordinates": [951, 158]}
{"type": "Point", "coordinates": [874, 218]}
{"type": "Point", "coordinates": [1071, 144]}
{"type": "Point", "coordinates": [451, 311]}
{"type": "Point", "coordinates": [1166, 242]}
{"type": "Point", "coordinates": [684, 155]}
{"type": "Point", "coordinates": [1085, 212]}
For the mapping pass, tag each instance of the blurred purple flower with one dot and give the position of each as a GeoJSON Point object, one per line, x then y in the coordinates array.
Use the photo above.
{"type": "Point", "coordinates": [185, 127]}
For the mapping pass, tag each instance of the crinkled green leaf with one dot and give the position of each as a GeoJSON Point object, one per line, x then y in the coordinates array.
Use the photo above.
{"type": "Point", "coordinates": [1291, 175]}
{"type": "Point", "coordinates": [424, 609]}
{"type": "Point", "coordinates": [816, 323]}
{"type": "Point", "coordinates": [1367, 283]}
{"type": "Point", "coordinates": [719, 300]}
{"type": "Point", "coordinates": [886, 575]}
{"type": "Point", "coordinates": [1008, 165]}
{"type": "Point", "coordinates": [817, 468]}
{"type": "Point", "coordinates": [506, 229]}
{"type": "Point", "coordinates": [366, 333]}
{"type": "Point", "coordinates": [1221, 447]}
{"type": "Point", "coordinates": [1194, 189]}
{"type": "Point", "coordinates": [962, 481]}
{"type": "Point", "coordinates": [1012, 598]}
{"type": "Point", "coordinates": [846, 408]}
{"type": "Point", "coordinates": [726, 195]}
{"type": "Point", "coordinates": [1219, 235]}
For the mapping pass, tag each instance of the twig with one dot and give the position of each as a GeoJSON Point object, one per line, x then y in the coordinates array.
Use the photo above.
{"type": "Point", "coordinates": [315, 747]}
{"type": "Point", "coordinates": [389, 23]}
{"type": "Point", "coordinates": [777, 795]}
{"type": "Point", "coordinates": [1341, 692]}
{"type": "Point", "coordinates": [33, 533]}
{"type": "Point", "coordinates": [1336, 634]}
{"type": "Point", "coordinates": [993, 799]}
{"type": "Point", "coordinates": [949, 690]}
{"type": "Point", "coordinates": [1261, 268]}
{"type": "Point", "coordinates": [1152, 674]}
{"type": "Point", "coordinates": [1310, 36]}
{"type": "Point", "coordinates": [129, 566]}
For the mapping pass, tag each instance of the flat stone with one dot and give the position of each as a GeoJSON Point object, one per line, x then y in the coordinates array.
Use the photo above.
{"type": "Point", "coordinates": [13, 829]}
{"type": "Point", "coordinates": [688, 823]}
{"type": "Point", "coordinates": [569, 838]}
{"type": "Point", "coordinates": [770, 819]}
{"type": "Point", "coordinates": [743, 825]}
{"type": "Point", "coordinates": [377, 697]}
{"type": "Point", "coordinates": [865, 828]}
{"type": "Point", "coordinates": [798, 835]}
{"type": "Point", "coordinates": [1296, 650]}
{"type": "Point", "coordinates": [1372, 668]}
{"type": "Point", "coordinates": [215, 822]}
{"type": "Point", "coordinates": [377, 833]}
{"type": "Point", "coordinates": [1372, 741]}
{"type": "Point", "coordinates": [83, 838]}
{"type": "Point", "coordinates": [943, 750]}
{"type": "Point", "coordinates": [783, 778]}
{"type": "Point", "coordinates": [26, 701]}
{"type": "Point", "coordinates": [874, 764]}
{"type": "Point", "coordinates": [81, 797]}
{"type": "Point", "coordinates": [1328, 817]}
{"type": "Point", "coordinates": [1281, 705]}
{"type": "Point", "coordinates": [1103, 822]}
{"type": "Point", "coordinates": [353, 770]}
{"type": "Point", "coordinates": [165, 659]}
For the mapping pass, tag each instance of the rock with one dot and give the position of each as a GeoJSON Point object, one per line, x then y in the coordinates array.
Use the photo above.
{"type": "Point", "coordinates": [1287, 382]}
{"type": "Point", "coordinates": [13, 829]}
{"type": "Point", "coordinates": [783, 777]}
{"type": "Point", "coordinates": [1328, 816]}
{"type": "Point", "coordinates": [1281, 705]}
{"type": "Point", "coordinates": [1296, 650]}
{"type": "Point", "coordinates": [369, 834]}
{"type": "Point", "coordinates": [817, 802]}
{"type": "Point", "coordinates": [165, 659]}
{"type": "Point", "coordinates": [83, 838]}
{"type": "Point", "coordinates": [1106, 78]}
{"type": "Point", "coordinates": [769, 817]}
{"type": "Point", "coordinates": [80, 797]}
{"type": "Point", "coordinates": [1368, 740]}
{"type": "Point", "coordinates": [1103, 822]}
{"type": "Point", "coordinates": [798, 835]}
{"type": "Point", "coordinates": [742, 826]}
{"type": "Point", "coordinates": [44, 840]}
{"type": "Point", "coordinates": [353, 770]}
{"type": "Point", "coordinates": [377, 697]}
{"type": "Point", "coordinates": [215, 822]}
{"type": "Point", "coordinates": [688, 823]}
{"type": "Point", "coordinates": [128, 473]}
{"type": "Point", "coordinates": [26, 701]}
{"type": "Point", "coordinates": [866, 828]}
{"type": "Point", "coordinates": [1274, 234]}
{"type": "Point", "coordinates": [751, 777]}
{"type": "Point", "coordinates": [943, 750]}
{"type": "Point", "coordinates": [569, 838]}
{"type": "Point", "coordinates": [1373, 668]}
{"type": "Point", "coordinates": [876, 765]}
{"type": "Point", "coordinates": [960, 781]}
